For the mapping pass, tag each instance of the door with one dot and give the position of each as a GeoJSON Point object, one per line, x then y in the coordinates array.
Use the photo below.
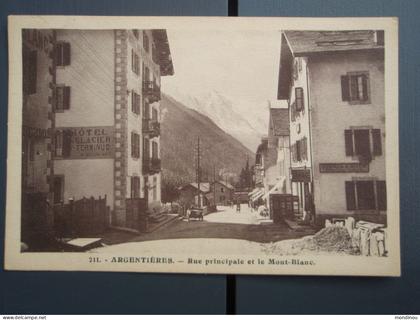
{"type": "Point", "coordinates": [281, 206]}
{"type": "Point", "coordinates": [58, 187]}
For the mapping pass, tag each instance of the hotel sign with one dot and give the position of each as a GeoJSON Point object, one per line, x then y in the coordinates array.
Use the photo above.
{"type": "Point", "coordinates": [301, 175]}
{"type": "Point", "coordinates": [343, 167]}
{"type": "Point", "coordinates": [86, 142]}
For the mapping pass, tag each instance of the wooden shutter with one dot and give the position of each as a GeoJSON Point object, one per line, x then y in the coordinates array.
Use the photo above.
{"type": "Point", "coordinates": [66, 98]}
{"type": "Point", "coordinates": [364, 94]}
{"type": "Point", "coordinates": [377, 144]}
{"type": "Point", "coordinates": [67, 143]}
{"type": "Point", "coordinates": [299, 99]}
{"type": "Point", "coordinates": [348, 138]}
{"type": "Point", "coordinates": [132, 187]}
{"type": "Point", "coordinates": [132, 144]}
{"type": "Point", "coordinates": [350, 195]}
{"type": "Point", "coordinates": [345, 93]}
{"type": "Point", "coordinates": [381, 194]}
{"type": "Point", "coordinates": [66, 54]}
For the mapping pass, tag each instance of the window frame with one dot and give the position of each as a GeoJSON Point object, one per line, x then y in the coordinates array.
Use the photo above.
{"type": "Point", "coordinates": [349, 98]}
{"type": "Point", "coordinates": [135, 145]}
{"type": "Point", "coordinates": [354, 205]}
{"type": "Point", "coordinates": [60, 53]}
{"type": "Point", "coordinates": [65, 104]}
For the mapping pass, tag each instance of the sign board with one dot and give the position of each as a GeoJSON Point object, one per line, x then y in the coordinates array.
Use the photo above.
{"type": "Point", "coordinates": [86, 142]}
{"type": "Point", "coordinates": [343, 167]}
{"type": "Point", "coordinates": [301, 175]}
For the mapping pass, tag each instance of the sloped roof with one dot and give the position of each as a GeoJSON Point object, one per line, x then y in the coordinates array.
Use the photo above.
{"type": "Point", "coordinates": [279, 121]}
{"type": "Point", "coordinates": [163, 52]}
{"type": "Point", "coordinates": [304, 42]}
{"type": "Point", "coordinates": [226, 184]}
{"type": "Point", "coordinates": [204, 186]}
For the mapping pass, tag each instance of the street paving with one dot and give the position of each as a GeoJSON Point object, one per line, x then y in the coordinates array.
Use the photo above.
{"type": "Point", "coordinates": [226, 223]}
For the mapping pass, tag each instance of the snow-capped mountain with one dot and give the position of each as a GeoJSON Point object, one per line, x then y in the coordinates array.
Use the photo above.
{"type": "Point", "coordinates": [232, 118]}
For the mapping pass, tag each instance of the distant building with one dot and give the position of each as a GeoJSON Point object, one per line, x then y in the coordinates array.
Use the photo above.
{"type": "Point", "coordinates": [277, 177]}
{"type": "Point", "coordinates": [334, 84]}
{"type": "Point", "coordinates": [192, 195]}
{"type": "Point", "coordinates": [223, 191]}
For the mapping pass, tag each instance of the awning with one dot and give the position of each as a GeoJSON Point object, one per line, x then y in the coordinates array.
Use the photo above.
{"type": "Point", "coordinates": [254, 192]}
{"type": "Point", "coordinates": [276, 186]}
{"type": "Point", "coordinates": [258, 195]}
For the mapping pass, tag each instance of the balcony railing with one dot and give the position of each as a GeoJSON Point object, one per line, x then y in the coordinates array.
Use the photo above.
{"type": "Point", "coordinates": [151, 90]}
{"type": "Point", "coordinates": [151, 127]}
{"type": "Point", "coordinates": [151, 165]}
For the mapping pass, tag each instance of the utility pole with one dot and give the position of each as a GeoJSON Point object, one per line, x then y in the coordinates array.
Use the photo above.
{"type": "Point", "coordinates": [198, 170]}
{"type": "Point", "coordinates": [214, 186]}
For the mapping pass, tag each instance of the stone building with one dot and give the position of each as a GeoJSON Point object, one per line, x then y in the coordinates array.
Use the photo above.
{"type": "Point", "coordinates": [99, 94]}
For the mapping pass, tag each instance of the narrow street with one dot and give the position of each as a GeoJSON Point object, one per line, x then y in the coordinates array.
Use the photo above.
{"type": "Point", "coordinates": [226, 223]}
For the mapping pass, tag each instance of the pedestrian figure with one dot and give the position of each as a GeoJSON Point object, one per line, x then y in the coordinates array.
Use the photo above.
{"type": "Point", "coordinates": [238, 206]}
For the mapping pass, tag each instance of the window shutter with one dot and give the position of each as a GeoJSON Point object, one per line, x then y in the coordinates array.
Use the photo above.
{"type": "Point", "coordinates": [377, 144]}
{"type": "Point", "coordinates": [365, 87]}
{"type": "Point", "coordinates": [67, 143]}
{"type": "Point", "coordinates": [345, 94]}
{"type": "Point", "coordinates": [299, 99]}
{"type": "Point", "coordinates": [66, 54]}
{"type": "Point", "coordinates": [66, 98]}
{"type": "Point", "coordinates": [350, 195]}
{"type": "Point", "coordinates": [381, 194]}
{"type": "Point", "coordinates": [58, 54]}
{"type": "Point", "coordinates": [132, 187]}
{"type": "Point", "coordinates": [348, 137]}
{"type": "Point", "coordinates": [33, 71]}
{"type": "Point", "coordinates": [132, 144]}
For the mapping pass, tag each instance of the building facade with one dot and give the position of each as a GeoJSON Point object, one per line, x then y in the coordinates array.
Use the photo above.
{"type": "Point", "coordinates": [100, 100]}
{"type": "Point", "coordinates": [222, 192]}
{"type": "Point", "coordinates": [277, 177]}
{"type": "Point", "coordinates": [334, 84]}
{"type": "Point", "coordinates": [37, 122]}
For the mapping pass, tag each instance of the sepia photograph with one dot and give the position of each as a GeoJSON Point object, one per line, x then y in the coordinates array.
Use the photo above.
{"type": "Point", "coordinates": [248, 145]}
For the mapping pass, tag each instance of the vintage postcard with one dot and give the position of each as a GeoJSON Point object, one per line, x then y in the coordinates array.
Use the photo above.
{"type": "Point", "coordinates": [203, 145]}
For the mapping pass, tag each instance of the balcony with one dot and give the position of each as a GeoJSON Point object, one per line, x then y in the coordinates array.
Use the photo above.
{"type": "Point", "coordinates": [151, 127]}
{"type": "Point", "coordinates": [151, 165]}
{"type": "Point", "coordinates": [151, 90]}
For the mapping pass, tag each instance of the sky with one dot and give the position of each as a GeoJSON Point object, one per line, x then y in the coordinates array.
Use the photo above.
{"type": "Point", "coordinates": [241, 65]}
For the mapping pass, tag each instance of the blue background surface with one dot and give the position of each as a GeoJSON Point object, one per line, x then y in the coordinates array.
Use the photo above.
{"type": "Point", "coordinates": [351, 294]}
{"type": "Point", "coordinates": [89, 292]}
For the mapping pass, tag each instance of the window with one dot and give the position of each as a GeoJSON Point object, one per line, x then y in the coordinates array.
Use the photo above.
{"type": "Point", "coordinates": [29, 65]}
{"type": "Point", "coordinates": [135, 145]}
{"type": "Point", "coordinates": [299, 99]}
{"type": "Point", "coordinates": [145, 41]}
{"type": "Point", "coordinates": [62, 143]}
{"type": "Point", "coordinates": [155, 188]}
{"type": "Point", "coordinates": [146, 109]}
{"type": "Point", "coordinates": [365, 195]}
{"type": "Point", "coordinates": [62, 54]}
{"type": "Point", "coordinates": [136, 33]}
{"type": "Point", "coordinates": [135, 102]}
{"type": "Point", "coordinates": [300, 150]}
{"type": "Point", "coordinates": [258, 159]}
{"type": "Point", "coordinates": [135, 187]}
{"type": "Point", "coordinates": [154, 114]}
{"type": "Point", "coordinates": [155, 154]}
{"type": "Point", "coordinates": [222, 190]}
{"type": "Point", "coordinates": [146, 149]}
{"type": "Point", "coordinates": [355, 87]}
{"type": "Point", "coordinates": [363, 142]}
{"type": "Point", "coordinates": [135, 62]}
{"type": "Point", "coordinates": [62, 98]}
{"type": "Point", "coordinates": [58, 187]}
